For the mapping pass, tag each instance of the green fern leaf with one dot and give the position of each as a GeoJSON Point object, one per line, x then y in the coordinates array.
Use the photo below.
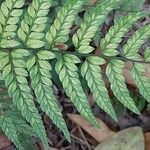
{"type": "Point", "coordinates": [131, 5]}
{"type": "Point", "coordinates": [39, 69]}
{"type": "Point", "coordinates": [9, 17]}
{"type": "Point", "coordinates": [34, 24]}
{"type": "Point", "coordinates": [68, 75]}
{"type": "Point", "coordinates": [18, 89]}
{"type": "Point", "coordinates": [142, 82]}
{"type": "Point", "coordinates": [130, 49]}
{"type": "Point", "coordinates": [147, 54]}
{"type": "Point", "coordinates": [92, 73]}
{"type": "Point", "coordinates": [9, 129]}
{"type": "Point", "coordinates": [59, 31]}
{"type": "Point", "coordinates": [19, 122]}
{"type": "Point", "coordinates": [112, 39]}
{"type": "Point", "coordinates": [115, 75]}
{"type": "Point", "coordinates": [4, 59]}
{"type": "Point", "coordinates": [91, 24]}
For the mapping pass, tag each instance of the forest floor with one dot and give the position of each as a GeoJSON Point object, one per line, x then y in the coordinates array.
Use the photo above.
{"type": "Point", "coordinates": [83, 135]}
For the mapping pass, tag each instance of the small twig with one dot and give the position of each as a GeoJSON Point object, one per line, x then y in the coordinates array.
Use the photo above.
{"type": "Point", "coordinates": [82, 134]}
{"type": "Point", "coordinates": [60, 142]}
{"type": "Point", "coordinates": [83, 148]}
{"type": "Point", "coordinates": [80, 141]}
{"type": "Point", "coordinates": [65, 148]}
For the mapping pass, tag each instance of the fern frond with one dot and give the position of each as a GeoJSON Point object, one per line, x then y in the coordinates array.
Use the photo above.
{"type": "Point", "coordinates": [114, 72]}
{"type": "Point", "coordinates": [19, 90]}
{"type": "Point", "coordinates": [68, 74]}
{"type": "Point", "coordinates": [142, 82]}
{"type": "Point", "coordinates": [147, 54]}
{"type": "Point", "coordinates": [89, 27]}
{"type": "Point", "coordinates": [26, 53]}
{"type": "Point", "coordinates": [8, 110]}
{"type": "Point", "coordinates": [59, 31]}
{"type": "Point", "coordinates": [19, 122]}
{"type": "Point", "coordinates": [4, 59]}
{"type": "Point", "coordinates": [34, 24]}
{"type": "Point", "coordinates": [131, 5]}
{"type": "Point", "coordinates": [9, 129]}
{"type": "Point", "coordinates": [92, 73]}
{"type": "Point", "coordinates": [10, 13]}
{"type": "Point", "coordinates": [112, 39]}
{"type": "Point", "coordinates": [39, 69]}
{"type": "Point", "coordinates": [130, 49]}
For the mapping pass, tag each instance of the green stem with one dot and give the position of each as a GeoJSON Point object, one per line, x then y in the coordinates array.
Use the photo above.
{"type": "Point", "coordinates": [80, 55]}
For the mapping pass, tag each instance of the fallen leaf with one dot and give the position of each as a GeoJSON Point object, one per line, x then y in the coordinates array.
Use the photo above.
{"type": "Point", "coordinates": [147, 141]}
{"type": "Point", "coordinates": [98, 134]}
{"type": "Point", "coordinates": [4, 142]}
{"type": "Point", "coordinates": [128, 139]}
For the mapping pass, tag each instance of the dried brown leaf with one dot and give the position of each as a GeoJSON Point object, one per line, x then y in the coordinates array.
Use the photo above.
{"type": "Point", "coordinates": [4, 142]}
{"type": "Point", "coordinates": [98, 134]}
{"type": "Point", "coordinates": [147, 141]}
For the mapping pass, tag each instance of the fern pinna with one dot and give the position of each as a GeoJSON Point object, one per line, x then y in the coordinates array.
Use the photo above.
{"type": "Point", "coordinates": [28, 44]}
